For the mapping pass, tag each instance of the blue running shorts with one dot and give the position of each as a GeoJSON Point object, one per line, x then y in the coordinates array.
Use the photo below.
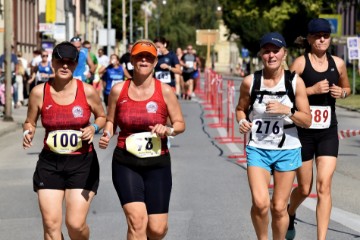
{"type": "Point", "coordinates": [278, 160]}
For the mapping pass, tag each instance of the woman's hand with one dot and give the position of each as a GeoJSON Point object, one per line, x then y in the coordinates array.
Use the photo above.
{"type": "Point", "coordinates": [244, 126]}
{"type": "Point", "coordinates": [336, 91]}
{"type": "Point", "coordinates": [28, 135]}
{"type": "Point", "coordinates": [321, 87]}
{"type": "Point", "coordinates": [275, 107]}
{"type": "Point", "coordinates": [104, 140]}
{"type": "Point", "coordinates": [88, 133]}
{"type": "Point", "coordinates": [160, 130]}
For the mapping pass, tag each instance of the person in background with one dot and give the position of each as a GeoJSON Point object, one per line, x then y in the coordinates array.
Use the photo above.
{"type": "Point", "coordinates": [14, 72]}
{"type": "Point", "coordinates": [326, 80]}
{"type": "Point", "coordinates": [272, 101]}
{"type": "Point", "coordinates": [125, 61]}
{"type": "Point", "coordinates": [90, 76]}
{"type": "Point", "coordinates": [111, 75]}
{"type": "Point", "coordinates": [84, 58]}
{"type": "Point", "coordinates": [168, 64]}
{"type": "Point", "coordinates": [188, 62]}
{"type": "Point", "coordinates": [43, 71]}
{"type": "Point", "coordinates": [103, 60]}
{"type": "Point", "coordinates": [141, 166]}
{"type": "Point", "coordinates": [21, 78]}
{"type": "Point", "coordinates": [68, 168]}
{"type": "Point", "coordinates": [179, 81]}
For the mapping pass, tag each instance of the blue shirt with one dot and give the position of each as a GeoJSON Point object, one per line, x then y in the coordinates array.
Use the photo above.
{"type": "Point", "coordinates": [81, 66]}
{"type": "Point", "coordinates": [111, 77]}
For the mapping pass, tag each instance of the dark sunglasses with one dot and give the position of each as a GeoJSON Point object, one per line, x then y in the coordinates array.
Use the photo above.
{"type": "Point", "coordinates": [44, 55]}
{"type": "Point", "coordinates": [321, 35]}
{"type": "Point", "coordinates": [75, 39]}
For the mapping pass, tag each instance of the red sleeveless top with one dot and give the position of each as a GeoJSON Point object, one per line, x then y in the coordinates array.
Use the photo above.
{"type": "Point", "coordinates": [136, 116]}
{"type": "Point", "coordinates": [73, 116]}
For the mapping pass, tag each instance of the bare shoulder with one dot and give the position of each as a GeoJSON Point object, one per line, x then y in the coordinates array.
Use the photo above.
{"type": "Point", "coordinates": [298, 65]}
{"type": "Point", "coordinates": [89, 89]}
{"type": "Point", "coordinates": [247, 81]}
{"type": "Point", "coordinates": [116, 89]}
{"type": "Point", "coordinates": [338, 61]}
{"type": "Point", "coordinates": [38, 91]}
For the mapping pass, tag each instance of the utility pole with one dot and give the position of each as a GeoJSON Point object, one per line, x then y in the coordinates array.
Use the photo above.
{"type": "Point", "coordinates": [108, 27]}
{"type": "Point", "coordinates": [8, 26]}
{"type": "Point", "coordinates": [131, 21]}
{"type": "Point", "coordinates": [124, 26]}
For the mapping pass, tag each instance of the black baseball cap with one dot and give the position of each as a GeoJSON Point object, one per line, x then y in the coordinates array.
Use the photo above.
{"type": "Point", "coordinates": [317, 25]}
{"type": "Point", "coordinates": [66, 50]}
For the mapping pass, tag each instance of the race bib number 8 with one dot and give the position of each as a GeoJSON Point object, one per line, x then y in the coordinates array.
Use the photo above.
{"type": "Point", "coordinates": [268, 130]}
{"type": "Point", "coordinates": [321, 117]}
{"type": "Point", "coordinates": [143, 145]}
{"type": "Point", "coordinates": [64, 141]}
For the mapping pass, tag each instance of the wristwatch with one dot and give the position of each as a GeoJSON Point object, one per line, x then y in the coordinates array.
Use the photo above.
{"type": "Point", "coordinates": [344, 94]}
{"type": "Point", "coordinates": [291, 113]}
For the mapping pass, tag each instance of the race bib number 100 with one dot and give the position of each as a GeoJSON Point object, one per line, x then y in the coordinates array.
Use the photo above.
{"type": "Point", "coordinates": [144, 145]}
{"type": "Point", "coordinates": [321, 117]}
{"type": "Point", "coordinates": [64, 141]}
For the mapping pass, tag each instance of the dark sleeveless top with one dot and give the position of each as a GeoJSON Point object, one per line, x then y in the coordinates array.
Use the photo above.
{"type": "Point", "coordinates": [311, 77]}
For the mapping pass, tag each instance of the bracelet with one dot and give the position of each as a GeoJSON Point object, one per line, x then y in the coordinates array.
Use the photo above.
{"type": "Point", "coordinates": [26, 132]}
{"type": "Point", "coordinates": [107, 132]}
{"type": "Point", "coordinates": [96, 127]}
{"type": "Point", "coordinates": [171, 131]}
{"type": "Point", "coordinates": [242, 121]}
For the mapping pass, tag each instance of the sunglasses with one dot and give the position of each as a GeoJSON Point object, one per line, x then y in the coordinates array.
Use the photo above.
{"type": "Point", "coordinates": [44, 55]}
{"type": "Point", "coordinates": [75, 39]}
{"type": "Point", "coordinates": [321, 35]}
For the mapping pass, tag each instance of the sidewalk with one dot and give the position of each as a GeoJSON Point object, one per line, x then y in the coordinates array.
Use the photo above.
{"type": "Point", "coordinates": [18, 115]}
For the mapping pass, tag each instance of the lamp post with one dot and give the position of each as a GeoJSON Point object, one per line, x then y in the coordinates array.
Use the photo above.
{"type": "Point", "coordinates": [157, 16]}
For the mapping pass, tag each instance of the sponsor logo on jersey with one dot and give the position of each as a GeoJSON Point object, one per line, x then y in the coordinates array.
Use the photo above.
{"type": "Point", "coordinates": [77, 112]}
{"type": "Point", "coordinates": [151, 107]}
{"type": "Point", "coordinates": [48, 107]}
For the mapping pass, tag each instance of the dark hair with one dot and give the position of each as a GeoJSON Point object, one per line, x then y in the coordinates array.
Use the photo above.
{"type": "Point", "coordinates": [163, 41]}
{"type": "Point", "coordinates": [86, 42]}
{"type": "Point", "coordinates": [301, 42]}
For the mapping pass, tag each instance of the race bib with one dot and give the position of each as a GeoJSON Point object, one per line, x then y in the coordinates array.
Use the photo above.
{"type": "Point", "coordinates": [163, 76]}
{"type": "Point", "coordinates": [129, 66]}
{"type": "Point", "coordinates": [64, 141]}
{"type": "Point", "coordinates": [321, 117]}
{"type": "Point", "coordinates": [268, 130]}
{"type": "Point", "coordinates": [115, 82]}
{"type": "Point", "coordinates": [189, 64]}
{"type": "Point", "coordinates": [144, 145]}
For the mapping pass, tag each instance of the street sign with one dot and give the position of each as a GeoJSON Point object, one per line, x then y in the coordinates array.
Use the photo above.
{"type": "Point", "coordinates": [207, 37]}
{"type": "Point", "coordinates": [335, 21]}
{"type": "Point", "coordinates": [353, 48]}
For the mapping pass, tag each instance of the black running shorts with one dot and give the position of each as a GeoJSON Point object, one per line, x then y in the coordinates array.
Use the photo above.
{"type": "Point", "coordinates": [319, 142]}
{"type": "Point", "coordinates": [65, 171]}
{"type": "Point", "coordinates": [148, 184]}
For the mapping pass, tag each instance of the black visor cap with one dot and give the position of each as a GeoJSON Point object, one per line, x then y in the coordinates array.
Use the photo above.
{"type": "Point", "coordinates": [66, 50]}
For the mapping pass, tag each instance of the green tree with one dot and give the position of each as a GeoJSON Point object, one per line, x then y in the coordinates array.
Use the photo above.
{"type": "Point", "coordinates": [250, 19]}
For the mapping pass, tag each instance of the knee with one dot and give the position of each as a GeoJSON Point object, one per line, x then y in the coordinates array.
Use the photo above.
{"type": "Point", "coordinates": [52, 226]}
{"type": "Point", "coordinates": [75, 226]}
{"type": "Point", "coordinates": [137, 222]}
{"type": "Point", "coordinates": [261, 207]}
{"type": "Point", "coordinates": [278, 209]}
{"type": "Point", "coordinates": [323, 189]}
{"type": "Point", "coordinates": [304, 190]}
{"type": "Point", "coordinates": [157, 231]}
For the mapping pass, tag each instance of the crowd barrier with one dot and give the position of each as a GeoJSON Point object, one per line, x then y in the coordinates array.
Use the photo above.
{"type": "Point", "coordinates": [221, 102]}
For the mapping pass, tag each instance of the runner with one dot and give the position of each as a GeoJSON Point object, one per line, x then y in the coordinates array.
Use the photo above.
{"type": "Point", "coordinates": [111, 75]}
{"type": "Point", "coordinates": [68, 168]}
{"type": "Point", "coordinates": [188, 62]}
{"type": "Point", "coordinates": [326, 79]}
{"type": "Point", "coordinates": [125, 61]}
{"type": "Point", "coordinates": [272, 101]}
{"type": "Point", "coordinates": [141, 167]}
{"type": "Point", "coordinates": [168, 64]}
{"type": "Point", "coordinates": [84, 58]}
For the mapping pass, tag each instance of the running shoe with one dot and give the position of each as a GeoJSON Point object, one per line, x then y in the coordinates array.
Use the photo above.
{"type": "Point", "coordinates": [290, 234]}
